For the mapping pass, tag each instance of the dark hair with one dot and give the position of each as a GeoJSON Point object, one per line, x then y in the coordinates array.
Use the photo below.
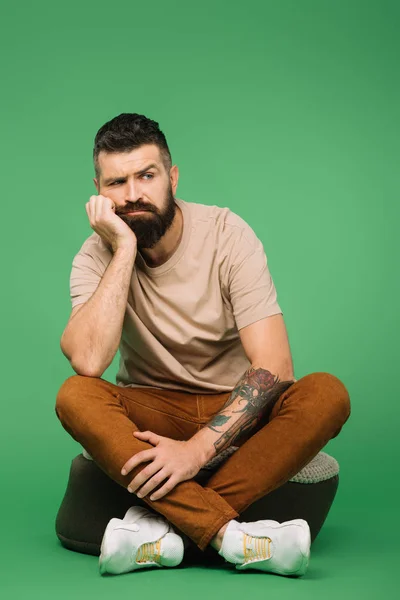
{"type": "Point", "coordinates": [126, 132]}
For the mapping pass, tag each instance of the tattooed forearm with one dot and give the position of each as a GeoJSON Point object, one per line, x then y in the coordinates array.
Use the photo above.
{"type": "Point", "coordinates": [257, 391]}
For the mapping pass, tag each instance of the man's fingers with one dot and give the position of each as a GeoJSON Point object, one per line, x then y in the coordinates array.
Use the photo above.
{"type": "Point", "coordinates": [167, 487]}
{"type": "Point", "coordinates": [148, 436]}
{"type": "Point", "coordinates": [137, 459]}
{"type": "Point", "coordinates": [153, 483]}
{"type": "Point", "coordinates": [144, 475]}
{"type": "Point", "coordinates": [92, 205]}
{"type": "Point", "coordinates": [96, 206]}
{"type": "Point", "coordinates": [99, 207]}
{"type": "Point", "coordinates": [111, 203]}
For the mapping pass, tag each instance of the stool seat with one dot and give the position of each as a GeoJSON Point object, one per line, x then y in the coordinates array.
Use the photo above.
{"type": "Point", "coordinates": [92, 498]}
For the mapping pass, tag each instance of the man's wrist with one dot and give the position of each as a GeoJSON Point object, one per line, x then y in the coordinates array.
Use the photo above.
{"type": "Point", "coordinates": [203, 443]}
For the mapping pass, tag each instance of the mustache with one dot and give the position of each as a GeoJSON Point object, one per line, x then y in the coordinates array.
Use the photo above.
{"type": "Point", "coordinates": [136, 209]}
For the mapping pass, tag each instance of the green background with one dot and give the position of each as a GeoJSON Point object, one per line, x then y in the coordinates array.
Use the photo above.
{"type": "Point", "coordinates": [288, 113]}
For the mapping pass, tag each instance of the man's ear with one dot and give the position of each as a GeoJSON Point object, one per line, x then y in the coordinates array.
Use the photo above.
{"type": "Point", "coordinates": [174, 176]}
{"type": "Point", "coordinates": [96, 184]}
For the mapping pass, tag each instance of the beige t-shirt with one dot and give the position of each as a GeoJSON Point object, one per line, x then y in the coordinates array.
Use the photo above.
{"type": "Point", "coordinates": [181, 323]}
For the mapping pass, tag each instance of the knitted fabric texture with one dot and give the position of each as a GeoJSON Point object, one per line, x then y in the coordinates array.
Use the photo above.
{"type": "Point", "coordinates": [321, 467]}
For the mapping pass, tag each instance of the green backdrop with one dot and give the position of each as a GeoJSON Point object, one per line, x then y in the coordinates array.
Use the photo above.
{"type": "Point", "coordinates": [288, 113]}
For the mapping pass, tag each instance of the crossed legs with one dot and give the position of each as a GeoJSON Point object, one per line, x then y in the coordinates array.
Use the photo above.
{"type": "Point", "coordinates": [102, 417]}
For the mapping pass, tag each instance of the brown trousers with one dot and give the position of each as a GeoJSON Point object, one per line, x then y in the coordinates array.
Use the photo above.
{"type": "Point", "coordinates": [102, 416]}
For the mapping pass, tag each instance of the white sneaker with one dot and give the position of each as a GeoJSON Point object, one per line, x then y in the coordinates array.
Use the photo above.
{"type": "Point", "coordinates": [141, 539]}
{"type": "Point", "coordinates": [266, 545]}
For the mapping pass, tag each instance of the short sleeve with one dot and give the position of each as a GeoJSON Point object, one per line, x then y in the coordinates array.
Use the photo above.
{"type": "Point", "coordinates": [88, 267]}
{"type": "Point", "coordinates": [252, 291]}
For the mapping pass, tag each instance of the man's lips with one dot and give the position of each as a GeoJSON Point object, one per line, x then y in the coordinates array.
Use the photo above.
{"type": "Point", "coordinates": [133, 212]}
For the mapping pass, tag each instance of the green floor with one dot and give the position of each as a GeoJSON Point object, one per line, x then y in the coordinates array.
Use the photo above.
{"type": "Point", "coordinates": [348, 559]}
{"type": "Point", "coordinates": [356, 553]}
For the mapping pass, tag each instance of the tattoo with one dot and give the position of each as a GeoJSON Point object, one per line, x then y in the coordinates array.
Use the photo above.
{"type": "Point", "coordinates": [258, 391]}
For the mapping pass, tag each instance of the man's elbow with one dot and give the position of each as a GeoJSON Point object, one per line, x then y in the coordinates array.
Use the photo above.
{"type": "Point", "coordinates": [87, 371]}
{"type": "Point", "coordinates": [86, 368]}
{"type": "Point", "coordinates": [81, 364]}
{"type": "Point", "coordinates": [282, 371]}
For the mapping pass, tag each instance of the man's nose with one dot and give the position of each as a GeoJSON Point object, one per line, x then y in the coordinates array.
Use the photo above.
{"type": "Point", "coordinates": [132, 191]}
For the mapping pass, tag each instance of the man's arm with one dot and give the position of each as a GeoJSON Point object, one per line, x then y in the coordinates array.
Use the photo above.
{"type": "Point", "coordinates": [271, 373]}
{"type": "Point", "coordinates": [91, 337]}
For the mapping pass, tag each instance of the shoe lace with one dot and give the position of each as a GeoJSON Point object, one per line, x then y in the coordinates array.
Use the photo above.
{"type": "Point", "coordinates": [256, 548]}
{"type": "Point", "coordinates": [149, 552]}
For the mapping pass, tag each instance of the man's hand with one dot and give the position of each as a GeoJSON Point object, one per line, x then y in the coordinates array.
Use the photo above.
{"type": "Point", "coordinates": [114, 232]}
{"type": "Point", "coordinates": [172, 459]}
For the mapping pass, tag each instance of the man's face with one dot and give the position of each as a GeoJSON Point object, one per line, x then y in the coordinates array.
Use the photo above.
{"type": "Point", "coordinates": [128, 179]}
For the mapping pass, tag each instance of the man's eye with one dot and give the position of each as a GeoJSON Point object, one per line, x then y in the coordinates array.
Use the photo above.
{"type": "Point", "coordinates": [122, 181]}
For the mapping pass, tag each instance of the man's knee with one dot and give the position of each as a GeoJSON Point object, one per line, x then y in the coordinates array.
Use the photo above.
{"type": "Point", "coordinates": [334, 394]}
{"type": "Point", "coordinates": [340, 396]}
{"type": "Point", "coordinates": [69, 394]}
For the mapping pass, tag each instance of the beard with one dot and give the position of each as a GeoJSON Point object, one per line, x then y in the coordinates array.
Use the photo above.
{"type": "Point", "coordinates": [150, 228]}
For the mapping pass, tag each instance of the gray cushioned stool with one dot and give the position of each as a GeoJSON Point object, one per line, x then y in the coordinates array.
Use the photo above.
{"type": "Point", "coordinates": [92, 498]}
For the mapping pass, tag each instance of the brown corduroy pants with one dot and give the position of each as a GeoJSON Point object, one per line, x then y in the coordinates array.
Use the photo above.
{"type": "Point", "coordinates": [102, 416]}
